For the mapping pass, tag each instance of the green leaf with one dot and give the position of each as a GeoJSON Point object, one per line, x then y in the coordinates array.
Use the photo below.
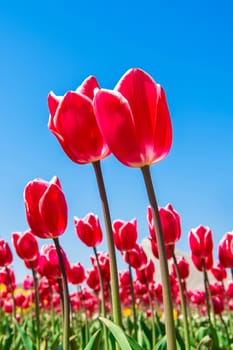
{"type": "Point", "coordinates": [28, 344]}
{"type": "Point", "coordinates": [162, 344]}
{"type": "Point", "coordinates": [94, 341]}
{"type": "Point", "coordinates": [118, 334]}
{"type": "Point", "coordinates": [133, 343]}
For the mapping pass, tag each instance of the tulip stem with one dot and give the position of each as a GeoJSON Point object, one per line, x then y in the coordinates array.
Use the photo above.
{"type": "Point", "coordinates": [66, 313]}
{"type": "Point", "coordinates": [103, 307]}
{"type": "Point", "coordinates": [167, 299]}
{"type": "Point", "coordinates": [133, 297]}
{"type": "Point", "coordinates": [183, 302]}
{"type": "Point", "coordinates": [37, 302]}
{"type": "Point", "coordinates": [116, 306]}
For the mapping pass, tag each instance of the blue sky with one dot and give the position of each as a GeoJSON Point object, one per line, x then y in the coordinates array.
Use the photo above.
{"type": "Point", "coordinates": [185, 46]}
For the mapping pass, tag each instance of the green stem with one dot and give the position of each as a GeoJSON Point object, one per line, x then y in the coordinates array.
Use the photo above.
{"type": "Point", "coordinates": [133, 298]}
{"type": "Point", "coordinates": [66, 315]}
{"type": "Point", "coordinates": [183, 302]}
{"type": "Point", "coordinates": [116, 306]}
{"type": "Point", "coordinates": [167, 299]}
{"type": "Point", "coordinates": [152, 315]}
{"type": "Point", "coordinates": [35, 279]}
{"type": "Point", "coordinates": [103, 307]}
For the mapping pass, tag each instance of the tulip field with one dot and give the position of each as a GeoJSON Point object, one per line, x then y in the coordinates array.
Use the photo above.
{"type": "Point", "coordinates": [61, 305]}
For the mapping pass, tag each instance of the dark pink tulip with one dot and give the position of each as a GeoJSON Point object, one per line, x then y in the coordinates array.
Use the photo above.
{"type": "Point", "coordinates": [92, 279]}
{"type": "Point", "coordinates": [89, 230]}
{"type": "Point", "coordinates": [28, 282]}
{"type": "Point", "coordinates": [225, 250]}
{"type": "Point", "coordinates": [218, 304]}
{"type": "Point", "coordinates": [219, 272]}
{"type": "Point", "coordinates": [6, 257]}
{"type": "Point", "coordinates": [202, 262]}
{"type": "Point", "coordinates": [183, 267]}
{"type": "Point", "coordinates": [46, 208]}
{"type": "Point", "coordinates": [72, 121]}
{"type": "Point", "coordinates": [170, 221]}
{"type": "Point", "coordinates": [201, 241]}
{"type": "Point", "coordinates": [49, 263]}
{"type": "Point", "coordinates": [125, 234]}
{"type": "Point", "coordinates": [76, 274]}
{"type": "Point", "coordinates": [134, 119]}
{"type": "Point", "coordinates": [168, 248]}
{"type": "Point", "coordinates": [26, 245]}
{"type": "Point", "coordinates": [146, 274]}
{"type": "Point", "coordinates": [136, 257]}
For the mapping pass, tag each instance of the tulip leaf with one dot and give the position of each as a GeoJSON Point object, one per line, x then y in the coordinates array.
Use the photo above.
{"type": "Point", "coordinates": [94, 341]}
{"type": "Point", "coordinates": [118, 334]}
{"type": "Point", "coordinates": [28, 344]}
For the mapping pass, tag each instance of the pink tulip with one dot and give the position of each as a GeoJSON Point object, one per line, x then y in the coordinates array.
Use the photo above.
{"type": "Point", "coordinates": [46, 208]}
{"type": "Point", "coordinates": [225, 250]}
{"type": "Point", "coordinates": [89, 230]}
{"type": "Point", "coordinates": [6, 257]}
{"type": "Point", "coordinates": [26, 245]}
{"type": "Point", "coordinates": [125, 234]}
{"type": "Point", "coordinates": [134, 119]}
{"type": "Point", "coordinates": [72, 121]}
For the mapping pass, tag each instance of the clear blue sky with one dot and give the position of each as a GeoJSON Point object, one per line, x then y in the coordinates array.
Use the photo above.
{"type": "Point", "coordinates": [54, 45]}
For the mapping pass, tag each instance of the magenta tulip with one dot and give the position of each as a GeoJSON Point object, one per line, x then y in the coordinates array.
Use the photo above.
{"type": "Point", "coordinates": [72, 121]}
{"type": "Point", "coordinates": [134, 119]}
{"type": "Point", "coordinates": [46, 208]}
{"type": "Point", "coordinates": [89, 230]}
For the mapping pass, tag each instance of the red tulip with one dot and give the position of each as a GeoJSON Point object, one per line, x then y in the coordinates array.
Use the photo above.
{"type": "Point", "coordinates": [219, 272]}
{"type": "Point", "coordinates": [183, 267]}
{"type": "Point", "coordinates": [146, 274]}
{"type": "Point", "coordinates": [6, 257]}
{"type": "Point", "coordinates": [136, 257]}
{"type": "Point", "coordinates": [76, 274]}
{"type": "Point", "coordinates": [26, 245]}
{"type": "Point", "coordinates": [201, 241]}
{"type": "Point", "coordinates": [170, 221]}
{"type": "Point", "coordinates": [72, 121]}
{"type": "Point", "coordinates": [125, 234]}
{"type": "Point", "coordinates": [88, 230]}
{"type": "Point", "coordinates": [168, 248]}
{"type": "Point", "coordinates": [134, 119]}
{"type": "Point", "coordinates": [28, 282]}
{"type": "Point", "coordinates": [46, 208]}
{"type": "Point", "coordinates": [201, 262]}
{"type": "Point", "coordinates": [49, 263]}
{"type": "Point", "coordinates": [225, 250]}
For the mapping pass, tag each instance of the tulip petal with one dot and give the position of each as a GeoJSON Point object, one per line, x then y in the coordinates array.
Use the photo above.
{"type": "Point", "coordinates": [53, 210]}
{"type": "Point", "coordinates": [76, 129]}
{"type": "Point", "coordinates": [116, 123]}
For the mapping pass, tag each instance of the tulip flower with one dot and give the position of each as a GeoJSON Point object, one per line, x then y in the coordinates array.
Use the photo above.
{"type": "Point", "coordinates": [201, 245]}
{"type": "Point", "coordinates": [219, 272]}
{"type": "Point", "coordinates": [46, 208]}
{"type": "Point", "coordinates": [170, 221]}
{"type": "Point", "coordinates": [49, 262]}
{"type": "Point", "coordinates": [134, 119]}
{"type": "Point", "coordinates": [6, 257]}
{"type": "Point", "coordinates": [225, 250]}
{"type": "Point", "coordinates": [76, 274]}
{"type": "Point", "coordinates": [125, 234]}
{"type": "Point", "coordinates": [89, 230]}
{"type": "Point", "coordinates": [26, 245]}
{"type": "Point", "coordinates": [72, 121]}
{"type": "Point", "coordinates": [183, 267]}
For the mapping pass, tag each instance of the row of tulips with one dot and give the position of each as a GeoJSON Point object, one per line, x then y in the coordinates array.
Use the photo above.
{"type": "Point", "coordinates": [139, 292]}
{"type": "Point", "coordinates": [132, 122]}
